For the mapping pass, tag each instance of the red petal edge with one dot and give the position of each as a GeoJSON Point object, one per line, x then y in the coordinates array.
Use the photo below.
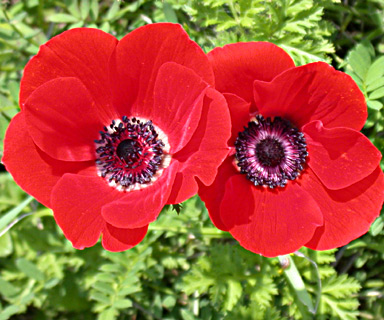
{"type": "Point", "coordinates": [237, 65]}
{"type": "Point", "coordinates": [33, 170]}
{"type": "Point", "coordinates": [348, 213]}
{"type": "Point", "coordinates": [340, 157]}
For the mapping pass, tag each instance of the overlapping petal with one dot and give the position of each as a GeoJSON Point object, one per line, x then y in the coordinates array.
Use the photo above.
{"type": "Point", "coordinates": [263, 222]}
{"type": "Point", "coordinates": [63, 121]}
{"type": "Point", "coordinates": [314, 91]}
{"type": "Point", "coordinates": [205, 151]}
{"type": "Point", "coordinates": [138, 208]}
{"type": "Point", "coordinates": [140, 54]}
{"type": "Point", "coordinates": [348, 213]}
{"type": "Point", "coordinates": [82, 53]}
{"type": "Point", "coordinates": [33, 170]}
{"type": "Point", "coordinates": [340, 157]}
{"type": "Point", "coordinates": [237, 66]}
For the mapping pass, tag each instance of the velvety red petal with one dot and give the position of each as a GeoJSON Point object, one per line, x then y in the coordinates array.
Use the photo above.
{"type": "Point", "coordinates": [62, 120]}
{"type": "Point", "coordinates": [178, 101]}
{"type": "Point", "coordinates": [314, 91]}
{"type": "Point", "coordinates": [138, 208]}
{"type": "Point", "coordinates": [205, 151]}
{"type": "Point", "coordinates": [340, 157]}
{"type": "Point", "coordinates": [116, 239]}
{"type": "Point", "coordinates": [237, 65]}
{"type": "Point", "coordinates": [269, 222]}
{"type": "Point", "coordinates": [213, 195]}
{"type": "Point", "coordinates": [33, 170]}
{"type": "Point", "coordinates": [348, 213]}
{"type": "Point", "coordinates": [82, 53]}
{"type": "Point", "coordinates": [139, 56]}
{"type": "Point", "coordinates": [76, 203]}
{"type": "Point", "coordinates": [240, 115]}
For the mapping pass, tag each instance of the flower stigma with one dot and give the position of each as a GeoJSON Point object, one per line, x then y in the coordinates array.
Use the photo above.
{"type": "Point", "coordinates": [270, 152]}
{"type": "Point", "coordinates": [131, 153]}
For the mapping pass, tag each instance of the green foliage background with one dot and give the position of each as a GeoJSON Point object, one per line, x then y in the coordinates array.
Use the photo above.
{"type": "Point", "coordinates": [185, 268]}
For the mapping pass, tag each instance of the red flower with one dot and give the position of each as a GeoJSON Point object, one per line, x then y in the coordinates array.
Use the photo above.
{"type": "Point", "coordinates": [111, 131]}
{"type": "Point", "coordinates": [300, 173]}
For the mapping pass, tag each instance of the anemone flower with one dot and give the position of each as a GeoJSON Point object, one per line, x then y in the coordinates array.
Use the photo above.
{"type": "Point", "coordinates": [110, 131]}
{"type": "Point", "coordinates": [299, 172]}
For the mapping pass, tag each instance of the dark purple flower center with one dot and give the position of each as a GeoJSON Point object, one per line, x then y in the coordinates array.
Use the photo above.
{"type": "Point", "coordinates": [130, 153]}
{"type": "Point", "coordinates": [270, 152]}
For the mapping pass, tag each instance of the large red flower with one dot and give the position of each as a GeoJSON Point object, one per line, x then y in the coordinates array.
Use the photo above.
{"type": "Point", "coordinates": [111, 131]}
{"type": "Point", "coordinates": [300, 173]}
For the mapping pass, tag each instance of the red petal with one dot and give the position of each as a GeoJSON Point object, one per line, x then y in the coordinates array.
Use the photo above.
{"type": "Point", "coordinates": [141, 53]}
{"type": "Point", "coordinates": [269, 222]}
{"type": "Point", "coordinates": [240, 115]}
{"type": "Point", "coordinates": [213, 195]}
{"type": "Point", "coordinates": [205, 151]}
{"type": "Point", "coordinates": [237, 65]}
{"type": "Point", "coordinates": [178, 101]}
{"type": "Point", "coordinates": [82, 53]}
{"type": "Point", "coordinates": [348, 213]}
{"type": "Point", "coordinates": [63, 121]}
{"type": "Point", "coordinates": [33, 170]}
{"type": "Point", "coordinates": [315, 91]}
{"type": "Point", "coordinates": [339, 156]}
{"type": "Point", "coordinates": [77, 202]}
{"type": "Point", "coordinates": [116, 239]}
{"type": "Point", "coordinates": [143, 205]}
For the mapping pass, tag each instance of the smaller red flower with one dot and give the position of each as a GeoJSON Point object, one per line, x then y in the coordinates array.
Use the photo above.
{"type": "Point", "coordinates": [300, 173]}
{"type": "Point", "coordinates": [111, 131]}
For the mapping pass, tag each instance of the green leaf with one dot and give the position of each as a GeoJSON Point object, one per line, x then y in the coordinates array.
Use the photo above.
{"type": "Point", "coordinates": [62, 18]}
{"type": "Point", "coordinates": [12, 214]}
{"type": "Point", "coordinates": [375, 71]}
{"type": "Point", "coordinates": [84, 9]}
{"type": "Point", "coordinates": [104, 287]}
{"type": "Point", "coordinates": [113, 10]}
{"type": "Point", "coordinates": [108, 314]}
{"type": "Point", "coordinates": [377, 84]}
{"type": "Point", "coordinates": [377, 226]}
{"type": "Point", "coordinates": [94, 9]}
{"type": "Point", "coordinates": [29, 269]}
{"type": "Point", "coordinates": [169, 13]}
{"type": "Point", "coordinates": [9, 311]}
{"type": "Point", "coordinates": [7, 289]}
{"type": "Point", "coordinates": [233, 295]}
{"type": "Point", "coordinates": [122, 304]}
{"type": "Point", "coordinates": [375, 105]}
{"type": "Point", "coordinates": [379, 93]}
{"type": "Point", "coordinates": [6, 245]}
{"type": "Point", "coordinates": [98, 296]}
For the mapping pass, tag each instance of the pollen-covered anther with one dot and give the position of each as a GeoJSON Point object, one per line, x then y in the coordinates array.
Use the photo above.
{"type": "Point", "coordinates": [270, 152]}
{"type": "Point", "coordinates": [131, 153]}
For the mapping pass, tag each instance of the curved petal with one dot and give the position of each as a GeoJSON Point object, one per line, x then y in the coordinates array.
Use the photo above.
{"type": "Point", "coordinates": [340, 157]}
{"type": "Point", "coordinates": [213, 195]}
{"type": "Point", "coordinates": [348, 213]}
{"type": "Point", "coordinates": [33, 170]}
{"type": "Point", "coordinates": [82, 53]}
{"type": "Point", "coordinates": [62, 120]}
{"type": "Point", "coordinates": [178, 101]}
{"type": "Point", "coordinates": [205, 151]}
{"type": "Point", "coordinates": [116, 239]}
{"type": "Point", "coordinates": [142, 206]}
{"type": "Point", "coordinates": [237, 65]}
{"type": "Point", "coordinates": [240, 115]}
{"type": "Point", "coordinates": [314, 91]}
{"type": "Point", "coordinates": [269, 222]}
{"type": "Point", "coordinates": [76, 203]}
{"type": "Point", "coordinates": [139, 56]}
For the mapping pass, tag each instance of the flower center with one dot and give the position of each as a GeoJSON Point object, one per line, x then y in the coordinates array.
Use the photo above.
{"type": "Point", "coordinates": [270, 152]}
{"type": "Point", "coordinates": [131, 153]}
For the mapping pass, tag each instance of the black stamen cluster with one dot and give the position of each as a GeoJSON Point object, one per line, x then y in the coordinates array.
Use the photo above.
{"type": "Point", "coordinates": [129, 152]}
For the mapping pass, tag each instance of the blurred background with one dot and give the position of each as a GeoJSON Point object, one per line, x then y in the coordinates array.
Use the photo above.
{"type": "Point", "coordinates": [185, 268]}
